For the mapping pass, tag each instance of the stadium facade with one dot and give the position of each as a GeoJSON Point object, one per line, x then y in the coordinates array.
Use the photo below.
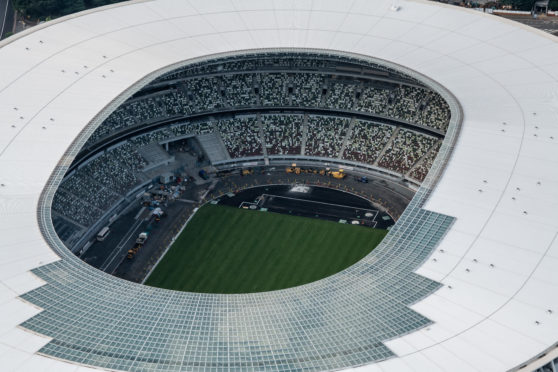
{"type": "Point", "coordinates": [464, 281]}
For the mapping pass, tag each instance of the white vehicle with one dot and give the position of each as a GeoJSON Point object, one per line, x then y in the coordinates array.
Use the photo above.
{"type": "Point", "coordinates": [157, 212]}
{"type": "Point", "coordinates": [105, 231]}
{"type": "Point", "coordinates": [142, 237]}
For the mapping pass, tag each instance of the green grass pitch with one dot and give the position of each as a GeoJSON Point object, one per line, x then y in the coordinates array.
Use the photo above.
{"type": "Point", "coordinates": [230, 250]}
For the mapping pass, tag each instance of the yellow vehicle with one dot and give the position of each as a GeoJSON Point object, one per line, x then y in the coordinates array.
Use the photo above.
{"type": "Point", "coordinates": [338, 175]}
{"type": "Point", "coordinates": [247, 172]}
{"type": "Point", "coordinates": [130, 254]}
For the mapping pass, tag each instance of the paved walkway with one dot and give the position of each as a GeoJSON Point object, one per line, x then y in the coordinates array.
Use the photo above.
{"type": "Point", "coordinates": [545, 23]}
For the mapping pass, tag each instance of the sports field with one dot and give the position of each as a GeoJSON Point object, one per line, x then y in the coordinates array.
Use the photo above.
{"type": "Point", "coordinates": [229, 250]}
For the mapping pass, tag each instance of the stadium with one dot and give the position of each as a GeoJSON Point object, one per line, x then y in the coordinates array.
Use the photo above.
{"type": "Point", "coordinates": [179, 183]}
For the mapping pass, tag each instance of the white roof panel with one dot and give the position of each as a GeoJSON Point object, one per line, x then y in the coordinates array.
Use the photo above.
{"type": "Point", "coordinates": [500, 72]}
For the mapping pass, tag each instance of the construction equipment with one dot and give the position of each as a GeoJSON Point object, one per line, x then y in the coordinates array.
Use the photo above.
{"type": "Point", "coordinates": [337, 174]}
{"type": "Point", "coordinates": [132, 252]}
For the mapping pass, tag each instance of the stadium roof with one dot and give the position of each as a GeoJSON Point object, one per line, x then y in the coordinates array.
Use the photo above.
{"type": "Point", "coordinates": [485, 299]}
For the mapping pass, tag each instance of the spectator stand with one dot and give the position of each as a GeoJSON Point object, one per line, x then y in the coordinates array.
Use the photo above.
{"type": "Point", "coordinates": [405, 149]}
{"type": "Point", "coordinates": [420, 170]}
{"type": "Point", "coordinates": [283, 134]}
{"type": "Point", "coordinates": [325, 135]}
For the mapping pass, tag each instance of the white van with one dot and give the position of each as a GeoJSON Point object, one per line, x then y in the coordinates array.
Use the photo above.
{"type": "Point", "coordinates": [103, 233]}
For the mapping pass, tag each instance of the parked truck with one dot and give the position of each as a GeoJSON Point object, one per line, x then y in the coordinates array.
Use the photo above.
{"type": "Point", "coordinates": [142, 237]}
{"type": "Point", "coordinates": [157, 213]}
